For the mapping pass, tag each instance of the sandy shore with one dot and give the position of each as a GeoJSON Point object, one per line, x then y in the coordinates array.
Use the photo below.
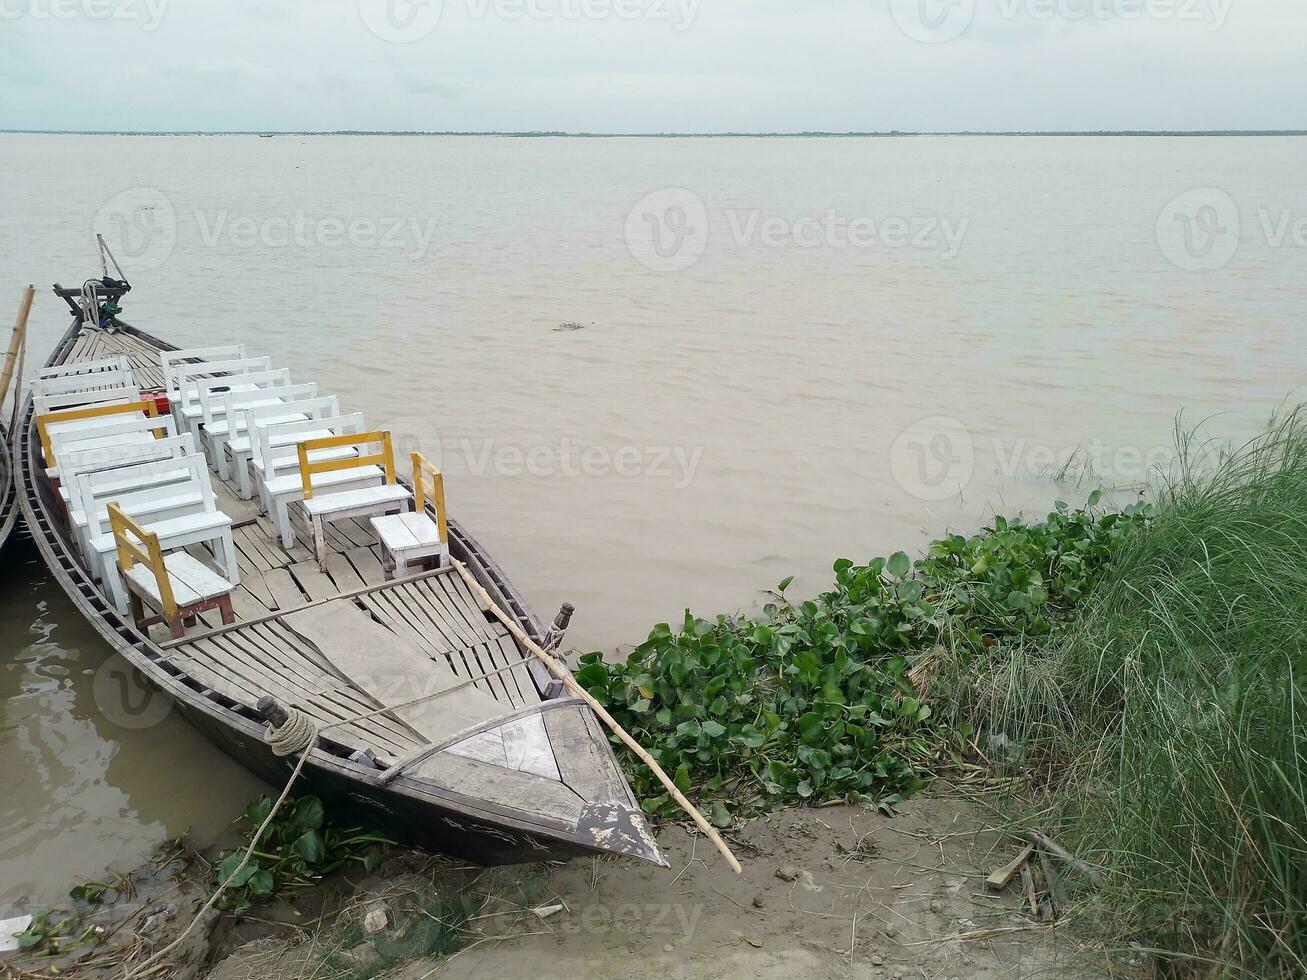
{"type": "Point", "coordinates": [836, 892]}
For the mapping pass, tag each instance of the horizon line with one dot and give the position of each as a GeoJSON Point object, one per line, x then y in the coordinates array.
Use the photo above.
{"type": "Point", "coordinates": [809, 134]}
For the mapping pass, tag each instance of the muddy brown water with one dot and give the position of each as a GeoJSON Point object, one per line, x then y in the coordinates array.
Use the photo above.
{"type": "Point", "coordinates": [788, 351]}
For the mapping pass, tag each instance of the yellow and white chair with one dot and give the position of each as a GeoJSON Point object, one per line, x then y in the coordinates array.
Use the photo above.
{"type": "Point", "coordinates": [416, 535]}
{"type": "Point", "coordinates": [341, 503]}
{"type": "Point", "coordinates": [174, 587]}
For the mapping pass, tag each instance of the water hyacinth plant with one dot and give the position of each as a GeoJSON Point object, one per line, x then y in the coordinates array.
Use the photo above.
{"type": "Point", "coordinates": [812, 701]}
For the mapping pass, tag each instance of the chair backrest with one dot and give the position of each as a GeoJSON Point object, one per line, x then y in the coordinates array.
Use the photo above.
{"type": "Point", "coordinates": [61, 401]}
{"type": "Point", "coordinates": [115, 434]}
{"type": "Point", "coordinates": [136, 544]}
{"type": "Point", "coordinates": [74, 384]}
{"type": "Point", "coordinates": [119, 363]}
{"type": "Point", "coordinates": [159, 479]}
{"type": "Point", "coordinates": [259, 425]}
{"type": "Point", "coordinates": [385, 457]}
{"type": "Point", "coordinates": [189, 375]}
{"type": "Point", "coordinates": [44, 420]}
{"type": "Point", "coordinates": [73, 463]}
{"type": "Point", "coordinates": [209, 392]}
{"type": "Point", "coordinates": [274, 459]}
{"type": "Point", "coordinates": [424, 470]}
{"type": "Point", "coordinates": [170, 360]}
{"type": "Point", "coordinates": [236, 403]}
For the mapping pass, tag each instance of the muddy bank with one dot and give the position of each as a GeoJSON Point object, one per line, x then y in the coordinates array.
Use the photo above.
{"type": "Point", "coordinates": [834, 892]}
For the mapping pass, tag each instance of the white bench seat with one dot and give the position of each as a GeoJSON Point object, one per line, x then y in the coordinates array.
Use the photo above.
{"type": "Point", "coordinates": [172, 529]}
{"type": "Point", "coordinates": [334, 504]}
{"type": "Point", "coordinates": [192, 581]}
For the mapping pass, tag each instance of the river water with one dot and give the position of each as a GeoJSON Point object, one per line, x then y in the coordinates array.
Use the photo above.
{"type": "Point", "coordinates": [656, 372]}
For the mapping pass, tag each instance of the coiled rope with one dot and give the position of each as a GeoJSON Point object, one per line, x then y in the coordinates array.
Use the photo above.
{"type": "Point", "coordinates": [296, 735]}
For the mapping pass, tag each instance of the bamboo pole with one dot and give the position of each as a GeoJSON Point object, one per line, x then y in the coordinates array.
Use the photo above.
{"type": "Point", "coordinates": [571, 683]}
{"type": "Point", "coordinates": [16, 340]}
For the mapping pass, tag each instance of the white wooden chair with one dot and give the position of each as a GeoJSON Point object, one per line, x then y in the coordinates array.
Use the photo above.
{"type": "Point", "coordinates": [66, 401]}
{"type": "Point", "coordinates": [176, 587]}
{"type": "Point", "coordinates": [238, 449]}
{"type": "Point", "coordinates": [171, 360]}
{"type": "Point", "coordinates": [342, 503]}
{"type": "Point", "coordinates": [119, 363]}
{"type": "Point", "coordinates": [72, 390]}
{"type": "Point", "coordinates": [216, 424]}
{"type": "Point", "coordinates": [181, 513]}
{"type": "Point", "coordinates": [277, 471]}
{"type": "Point", "coordinates": [275, 429]}
{"type": "Point", "coordinates": [96, 426]}
{"type": "Point", "coordinates": [416, 536]}
{"type": "Point", "coordinates": [74, 462]}
{"type": "Point", "coordinates": [186, 405]}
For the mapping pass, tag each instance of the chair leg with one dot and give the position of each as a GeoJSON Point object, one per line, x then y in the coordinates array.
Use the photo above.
{"type": "Point", "coordinates": [319, 543]}
{"type": "Point", "coordinates": [283, 523]}
{"type": "Point", "coordinates": [224, 607]}
{"type": "Point", "coordinates": [137, 609]}
{"type": "Point", "coordinates": [175, 626]}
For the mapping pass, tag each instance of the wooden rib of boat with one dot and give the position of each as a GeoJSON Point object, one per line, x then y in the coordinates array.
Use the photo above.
{"type": "Point", "coordinates": [8, 498]}
{"type": "Point", "coordinates": [502, 769]}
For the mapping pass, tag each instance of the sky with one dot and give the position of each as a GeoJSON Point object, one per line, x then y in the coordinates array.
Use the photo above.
{"type": "Point", "coordinates": [652, 65]}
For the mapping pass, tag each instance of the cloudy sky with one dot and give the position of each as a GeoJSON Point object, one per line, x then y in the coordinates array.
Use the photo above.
{"type": "Point", "coordinates": [652, 65]}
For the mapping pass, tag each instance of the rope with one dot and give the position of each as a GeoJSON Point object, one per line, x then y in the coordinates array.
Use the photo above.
{"type": "Point", "coordinates": [295, 736]}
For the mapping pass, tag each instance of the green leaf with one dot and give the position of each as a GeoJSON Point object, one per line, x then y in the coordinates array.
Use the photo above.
{"type": "Point", "coordinates": [714, 729]}
{"type": "Point", "coordinates": [262, 883]}
{"type": "Point", "coordinates": [785, 583]}
{"type": "Point", "coordinates": [311, 848]}
{"type": "Point", "coordinates": [228, 874]}
{"type": "Point", "coordinates": [308, 814]}
{"type": "Point", "coordinates": [899, 564]}
{"type": "Point", "coordinates": [720, 816]}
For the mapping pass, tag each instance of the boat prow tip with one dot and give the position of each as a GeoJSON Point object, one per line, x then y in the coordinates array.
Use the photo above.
{"type": "Point", "coordinates": [620, 830]}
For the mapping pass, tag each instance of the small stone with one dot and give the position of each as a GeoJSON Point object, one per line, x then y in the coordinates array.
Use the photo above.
{"type": "Point", "coordinates": [376, 920]}
{"type": "Point", "coordinates": [757, 901]}
{"type": "Point", "coordinates": [667, 948]}
{"type": "Point", "coordinates": [787, 872]}
{"type": "Point", "coordinates": [891, 930]}
{"type": "Point", "coordinates": [936, 905]}
{"type": "Point", "coordinates": [877, 959]}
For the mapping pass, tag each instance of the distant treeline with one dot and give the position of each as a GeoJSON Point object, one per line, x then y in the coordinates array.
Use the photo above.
{"type": "Point", "coordinates": [559, 133]}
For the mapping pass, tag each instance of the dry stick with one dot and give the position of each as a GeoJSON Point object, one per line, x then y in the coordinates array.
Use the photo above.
{"type": "Point", "coordinates": [571, 683]}
{"type": "Point", "coordinates": [15, 342]}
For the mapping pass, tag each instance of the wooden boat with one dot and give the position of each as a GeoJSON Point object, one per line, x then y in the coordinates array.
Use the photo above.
{"type": "Point", "coordinates": [503, 769]}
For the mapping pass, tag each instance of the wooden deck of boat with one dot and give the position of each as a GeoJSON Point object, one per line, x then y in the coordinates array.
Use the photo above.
{"type": "Point", "coordinates": [269, 650]}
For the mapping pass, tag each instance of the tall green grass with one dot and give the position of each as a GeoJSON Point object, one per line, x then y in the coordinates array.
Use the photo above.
{"type": "Point", "coordinates": [1167, 719]}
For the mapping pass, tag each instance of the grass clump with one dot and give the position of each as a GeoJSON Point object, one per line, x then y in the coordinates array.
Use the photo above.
{"type": "Point", "coordinates": [814, 701]}
{"type": "Point", "coordinates": [1168, 715]}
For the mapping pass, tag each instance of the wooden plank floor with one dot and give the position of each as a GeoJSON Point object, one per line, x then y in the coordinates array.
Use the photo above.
{"type": "Point", "coordinates": [437, 615]}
